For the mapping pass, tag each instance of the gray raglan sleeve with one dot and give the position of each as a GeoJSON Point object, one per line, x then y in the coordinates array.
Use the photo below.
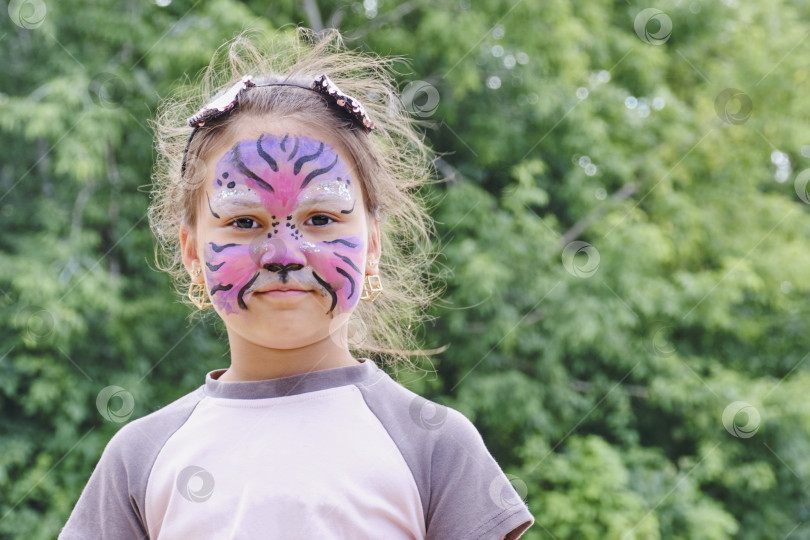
{"type": "Point", "coordinates": [112, 504]}
{"type": "Point", "coordinates": [470, 496]}
{"type": "Point", "coordinates": [109, 504]}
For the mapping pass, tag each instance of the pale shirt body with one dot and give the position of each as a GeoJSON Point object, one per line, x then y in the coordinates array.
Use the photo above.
{"type": "Point", "coordinates": [338, 453]}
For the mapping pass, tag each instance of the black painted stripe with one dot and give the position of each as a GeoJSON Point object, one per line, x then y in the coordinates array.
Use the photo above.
{"type": "Point", "coordinates": [347, 261]}
{"type": "Point", "coordinates": [283, 142]}
{"type": "Point", "coordinates": [239, 299]}
{"type": "Point", "coordinates": [305, 159]}
{"type": "Point", "coordinates": [237, 160]}
{"type": "Point", "coordinates": [341, 241]}
{"type": "Point", "coordinates": [250, 174]}
{"type": "Point", "coordinates": [214, 267]}
{"type": "Point", "coordinates": [221, 287]}
{"type": "Point", "coordinates": [318, 172]}
{"type": "Point", "coordinates": [265, 156]}
{"type": "Point", "coordinates": [217, 248]}
{"type": "Point", "coordinates": [294, 150]}
{"type": "Point", "coordinates": [349, 211]}
{"type": "Point", "coordinates": [342, 271]}
{"type": "Point", "coordinates": [328, 288]}
{"type": "Point", "coordinates": [209, 206]}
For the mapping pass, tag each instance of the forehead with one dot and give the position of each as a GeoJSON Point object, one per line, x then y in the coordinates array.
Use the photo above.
{"type": "Point", "coordinates": [270, 127]}
{"type": "Point", "coordinates": [284, 168]}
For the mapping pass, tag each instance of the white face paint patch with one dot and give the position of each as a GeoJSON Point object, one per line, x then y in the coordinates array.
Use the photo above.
{"type": "Point", "coordinates": [336, 188]}
{"type": "Point", "coordinates": [241, 197]}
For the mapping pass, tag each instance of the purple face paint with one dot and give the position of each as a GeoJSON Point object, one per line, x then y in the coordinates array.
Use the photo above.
{"type": "Point", "coordinates": [287, 204]}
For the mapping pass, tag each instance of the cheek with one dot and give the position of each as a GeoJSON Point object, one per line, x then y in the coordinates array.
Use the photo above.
{"type": "Point", "coordinates": [340, 264]}
{"type": "Point", "coordinates": [229, 272]}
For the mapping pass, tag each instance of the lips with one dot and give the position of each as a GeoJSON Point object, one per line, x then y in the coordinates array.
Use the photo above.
{"type": "Point", "coordinates": [282, 291]}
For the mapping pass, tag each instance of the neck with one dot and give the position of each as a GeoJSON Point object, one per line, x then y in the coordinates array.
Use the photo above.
{"type": "Point", "coordinates": [252, 362]}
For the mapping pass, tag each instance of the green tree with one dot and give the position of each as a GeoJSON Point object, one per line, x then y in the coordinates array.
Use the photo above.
{"type": "Point", "coordinates": [622, 222]}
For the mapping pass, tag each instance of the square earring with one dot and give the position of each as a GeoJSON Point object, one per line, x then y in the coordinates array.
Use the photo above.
{"type": "Point", "coordinates": [372, 287]}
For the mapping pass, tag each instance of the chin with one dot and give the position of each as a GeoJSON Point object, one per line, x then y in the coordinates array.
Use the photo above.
{"type": "Point", "coordinates": [283, 330]}
{"type": "Point", "coordinates": [285, 341]}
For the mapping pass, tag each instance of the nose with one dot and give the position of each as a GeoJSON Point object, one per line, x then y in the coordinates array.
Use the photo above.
{"type": "Point", "coordinates": [282, 255]}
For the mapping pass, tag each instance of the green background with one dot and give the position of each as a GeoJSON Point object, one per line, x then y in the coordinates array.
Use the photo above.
{"type": "Point", "coordinates": [597, 372]}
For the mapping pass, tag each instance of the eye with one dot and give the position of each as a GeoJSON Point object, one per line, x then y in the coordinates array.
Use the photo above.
{"type": "Point", "coordinates": [244, 223]}
{"type": "Point", "coordinates": [319, 220]}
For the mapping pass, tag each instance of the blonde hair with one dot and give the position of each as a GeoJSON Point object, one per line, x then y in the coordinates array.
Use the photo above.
{"type": "Point", "coordinates": [392, 164]}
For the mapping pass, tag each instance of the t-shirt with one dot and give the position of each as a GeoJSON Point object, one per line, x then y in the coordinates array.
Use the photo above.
{"type": "Point", "coordinates": [339, 453]}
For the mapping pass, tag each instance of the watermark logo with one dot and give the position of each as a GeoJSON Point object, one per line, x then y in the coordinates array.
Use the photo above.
{"type": "Point", "coordinates": [195, 484]}
{"type": "Point", "coordinates": [265, 250]}
{"type": "Point", "coordinates": [196, 171]}
{"type": "Point", "coordinates": [508, 491]}
{"type": "Point", "coordinates": [800, 185]}
{"type": "Point", "coordinates": [572, 259]}
{"type": "Point", "coordinates": [420, 98]}
{"type": "Point", "coordinates": [356, 332]}
{"type": "Point", "coordinates": [35, 322]}
{"type": "Point", "coordinates": [107, 90]}
{"type": "Point", "coordinates": [741, 419]}
{"type": "Point", "coordinates": [653, 26]}
{"type": "Point", "coordinates": [28, 14]}
{"type": "Point", "coordinates": [733, 106]}
{"type": "Point", "coordinates": [115, 404]}
{"type": "Point", "coordinates": [427, 414]}
{"type": "Point", "coordinates": [658, 342]}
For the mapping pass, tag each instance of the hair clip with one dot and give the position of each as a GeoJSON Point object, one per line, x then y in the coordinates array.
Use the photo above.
{"type": "Point", "coordinates": [326, 87]}
{"type": "Point", "coordinates": [221, 105]}
{"type": "Point", "coordinates": [228, 100]}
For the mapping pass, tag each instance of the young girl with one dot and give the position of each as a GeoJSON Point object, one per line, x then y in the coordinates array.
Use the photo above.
{"type": "Point", "coordinates": [290, 208]}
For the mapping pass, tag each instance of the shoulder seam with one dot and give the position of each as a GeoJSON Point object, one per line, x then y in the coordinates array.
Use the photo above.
{"type": "Point", "coordinates": [202, 395]}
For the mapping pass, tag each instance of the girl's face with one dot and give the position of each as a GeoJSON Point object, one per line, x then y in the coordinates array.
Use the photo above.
{"type": "Point", "coordinates": [282, 237]}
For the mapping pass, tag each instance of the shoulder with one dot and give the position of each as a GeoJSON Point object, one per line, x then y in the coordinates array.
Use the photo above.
{"type": "Point", "coordinates": [130, 453]}
{"type": "Point", "coordinates": [416, 424]}
{"type": "Point", "coordinates": [434, 427]}
{"type": "Point", "coordinates": [464, 492]}
{"type": "Point", "coordinates": [145, 436]}
{"type": "Point", "coordinates": [113, 501]}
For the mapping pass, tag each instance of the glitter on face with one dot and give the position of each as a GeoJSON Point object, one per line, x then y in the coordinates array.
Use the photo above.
{"type": "Point", "coordinates": [339, 189]}
{"type": "Point", "coordinates": [226, 194]}
{"type": "Point", "coordinates": [309, 247]}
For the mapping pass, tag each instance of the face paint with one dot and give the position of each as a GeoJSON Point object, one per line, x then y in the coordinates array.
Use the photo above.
{"type": "Point", "coordinates": [287, 204]}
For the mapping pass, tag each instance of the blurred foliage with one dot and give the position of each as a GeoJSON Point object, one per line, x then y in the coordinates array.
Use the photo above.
{"type": "Point", "coordinates": [598, 372]}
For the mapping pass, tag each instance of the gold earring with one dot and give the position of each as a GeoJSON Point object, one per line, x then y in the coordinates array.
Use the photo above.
{"type": "Point", "coordinates": [372, 287]}
{"type": "Point", "coordinates": [197, 292]}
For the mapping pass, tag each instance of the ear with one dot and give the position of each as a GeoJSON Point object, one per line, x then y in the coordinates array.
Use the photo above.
{"type": "Point", "coordinates": [374, 248]}
{"type": "Point", "coordinates": [188, 249]}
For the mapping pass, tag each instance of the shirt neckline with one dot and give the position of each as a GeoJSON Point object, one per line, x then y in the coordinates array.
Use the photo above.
{"type": "Point", "coordinates": [288, 386]}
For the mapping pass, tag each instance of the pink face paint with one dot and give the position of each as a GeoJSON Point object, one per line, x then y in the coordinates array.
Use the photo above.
{"type": "Point", "coordinates": [275, 188]}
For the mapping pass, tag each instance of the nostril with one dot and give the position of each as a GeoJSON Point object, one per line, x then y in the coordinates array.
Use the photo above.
{"type": "Point", "coordinates": [283, 268]}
